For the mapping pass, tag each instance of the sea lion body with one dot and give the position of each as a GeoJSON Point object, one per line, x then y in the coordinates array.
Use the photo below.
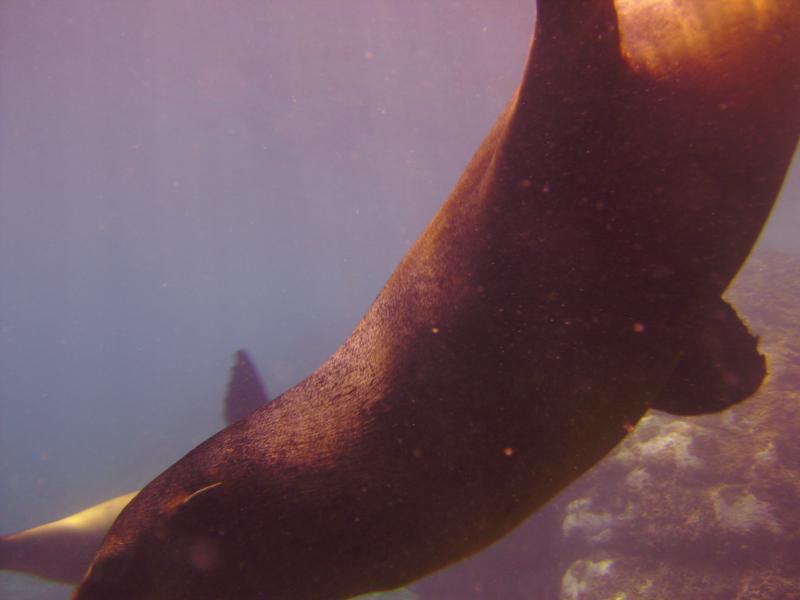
{"type": "Point", "coordinates": [578, 263]}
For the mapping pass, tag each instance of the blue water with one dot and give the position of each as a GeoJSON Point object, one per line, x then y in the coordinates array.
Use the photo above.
{"type": "Point", "coordinates": [181, 179]}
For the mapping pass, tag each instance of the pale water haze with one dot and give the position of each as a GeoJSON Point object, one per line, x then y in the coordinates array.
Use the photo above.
{"type": "Point", "coordinates": [182, 179]}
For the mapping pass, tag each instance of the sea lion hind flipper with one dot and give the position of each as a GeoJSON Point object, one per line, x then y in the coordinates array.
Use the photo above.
{"type": "Point", "coordinates": [720, 367]}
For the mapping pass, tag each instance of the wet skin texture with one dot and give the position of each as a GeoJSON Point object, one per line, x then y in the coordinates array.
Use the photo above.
{"type": "Point", "coordinates": [577, 265]}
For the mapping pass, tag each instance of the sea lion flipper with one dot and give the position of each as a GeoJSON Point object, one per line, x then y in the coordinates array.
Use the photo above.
{"type": "Point", "coordinates": [721, 367]}
{"type": "Point", "coordinates": [245, 392]}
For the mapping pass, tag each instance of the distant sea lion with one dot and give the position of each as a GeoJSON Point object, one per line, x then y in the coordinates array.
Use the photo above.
{"type": "Point", "coordinates": [62, 550]}
{"type": "Point", "coordinates": [246, 392]}
{"type": "Point", "coordinates": [577, 265]}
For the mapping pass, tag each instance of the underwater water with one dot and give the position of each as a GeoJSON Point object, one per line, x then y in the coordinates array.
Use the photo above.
{"type": "Point", "coordinates": [180, 179]}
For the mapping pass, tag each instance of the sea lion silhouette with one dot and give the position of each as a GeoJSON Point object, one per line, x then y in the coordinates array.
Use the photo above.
{"type": "Point", "coordinates": [577, 265]}
{"type": "Point", "coordinates": [63, 549]}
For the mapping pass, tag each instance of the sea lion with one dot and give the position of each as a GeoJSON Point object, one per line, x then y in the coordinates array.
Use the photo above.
{"type": "Point", "coordinates": [63, 549]}
{"type": "Point", "coordinates": [578, 261]}
{"type": "Point", "coordinates": [246, 392]}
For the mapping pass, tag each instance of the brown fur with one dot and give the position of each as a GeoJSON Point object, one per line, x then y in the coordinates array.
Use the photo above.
{"type": "Point", "coordinates": [541, 312]}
